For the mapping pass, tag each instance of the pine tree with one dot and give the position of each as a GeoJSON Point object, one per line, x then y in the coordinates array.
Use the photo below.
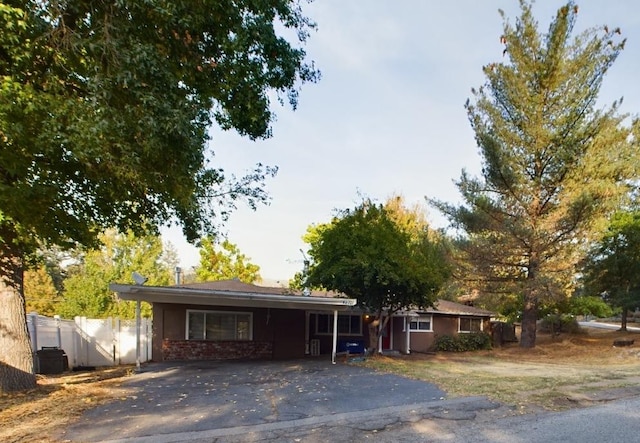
{"type": "Point", "coordinates": [554, 166]}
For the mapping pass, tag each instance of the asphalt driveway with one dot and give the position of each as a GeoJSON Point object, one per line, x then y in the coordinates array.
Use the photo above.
{"type": "Point", "coordinates": [170, 399]}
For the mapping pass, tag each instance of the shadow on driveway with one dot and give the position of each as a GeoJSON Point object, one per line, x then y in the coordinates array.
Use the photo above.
{"type": "Point", "coordinates": [196, 396]}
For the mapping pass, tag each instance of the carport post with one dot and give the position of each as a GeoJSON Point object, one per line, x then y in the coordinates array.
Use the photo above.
{"type": "Point", "coordinates": [138, 335]}
{"type": "Point", "coordinates": [335, 336]}
{"type": "Point", "coordinates": [407, 334]}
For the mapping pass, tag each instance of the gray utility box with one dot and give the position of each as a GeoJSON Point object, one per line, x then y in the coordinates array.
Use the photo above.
{"type": "Point", "coordinates": [51, 361]}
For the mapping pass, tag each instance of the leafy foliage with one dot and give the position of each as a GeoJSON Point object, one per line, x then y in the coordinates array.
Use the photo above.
{"type": "Point", "coordinates": [557, 323]}
{"type": "Point", "coordinates": [224, 263]}
{"type": "Point", "coordinates": [476, 341]}
{"type": "Point", "coordinates": [365, 254]}
{"type": "Point", "coordinates": [104, 117]}
{"type": "Point", "coordinates": [589, 305]}
{"type": "Point", "coordinates": [554, 166]}
{"type": "Point", "coordinates": [87, 286]}
{"type": "Point", "coordinates": [612, 269]}
{"type": "Point", "coordinates": [40, 293]}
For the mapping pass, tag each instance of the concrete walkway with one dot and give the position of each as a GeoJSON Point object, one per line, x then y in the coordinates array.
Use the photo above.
{"type": "Point", "coordinates": [208, 400]}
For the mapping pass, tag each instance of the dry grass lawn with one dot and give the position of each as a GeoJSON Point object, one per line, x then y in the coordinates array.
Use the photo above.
{"type": "Point", "coordinates": [561, 372]}
{"type": "Point", "coordinates": [39, 415]}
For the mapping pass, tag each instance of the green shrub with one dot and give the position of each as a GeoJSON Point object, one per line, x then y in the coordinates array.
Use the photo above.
{"type": "Point", "coordinates": [557, 323]}
{"type": "Point", "coordinates": [589, 305]}
{"type": "Point", "coordinates": [463, 342]}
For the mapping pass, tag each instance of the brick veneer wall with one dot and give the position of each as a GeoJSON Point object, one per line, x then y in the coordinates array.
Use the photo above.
{"type": "Point", "coordinates": [215, 350]}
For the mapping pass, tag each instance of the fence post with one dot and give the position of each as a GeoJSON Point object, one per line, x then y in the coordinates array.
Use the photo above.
{"type": "Point", "coordinates": [76, 341]}
{"type": "Point", "coordinates": [58, 333]}
{"type": "Point", "coordinates": [117, 336]}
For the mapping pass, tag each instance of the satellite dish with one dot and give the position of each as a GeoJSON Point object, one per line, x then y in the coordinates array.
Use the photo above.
{"type": "Point", "coordinates": [139, 279]}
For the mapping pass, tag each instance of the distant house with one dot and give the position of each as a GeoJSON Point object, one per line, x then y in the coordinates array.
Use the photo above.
{"type": "Point", "coordinates": [425, 326]}
{"type": "Point", "coordinates": [234, 320]}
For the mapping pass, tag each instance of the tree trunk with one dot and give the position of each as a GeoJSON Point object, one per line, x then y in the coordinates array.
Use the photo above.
{"type": "Point", "coordinates": [529, 322]}
{"type": "Point", "coordinates": [530, 308]}
{"type": "Point", "coordinates": [373, 336]}
{"type": "Point", "coordinates": [16, 357]}
{"type": "Point", "coordinates": [375, 331]}
{"type": "Point", "coordinates": [623, 319]}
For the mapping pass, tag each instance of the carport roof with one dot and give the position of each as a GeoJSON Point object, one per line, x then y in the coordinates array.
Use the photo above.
{"type": "Point", "coordinates": [233, 293]}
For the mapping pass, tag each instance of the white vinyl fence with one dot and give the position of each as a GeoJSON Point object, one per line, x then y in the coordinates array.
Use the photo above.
{"type": "Point", "coordinates": [91, 342]}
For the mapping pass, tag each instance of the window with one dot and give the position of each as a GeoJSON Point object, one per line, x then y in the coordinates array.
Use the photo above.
{"type": "Point", "coordinates": [348, 324]}
{"type": "Point", "coordinates": [420, 324]}
{"type": "Point", "coordinates": [219, 325]}
{"type": "Point", "coordinates": [470, 324]}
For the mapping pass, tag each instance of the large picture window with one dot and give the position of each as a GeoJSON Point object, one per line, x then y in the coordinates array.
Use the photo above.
{"type": "Point", "coordinates": [219, 325]}
{"type": "Point", "coordinates": [421, 324]}
{"type": "Point", "coordinates": [470, 324]}
{"type": "Point", "coordinates": [348, 324]}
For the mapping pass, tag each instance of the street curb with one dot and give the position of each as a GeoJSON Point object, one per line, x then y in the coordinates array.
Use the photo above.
{"type": "Point", "coordinates": [417, 408]}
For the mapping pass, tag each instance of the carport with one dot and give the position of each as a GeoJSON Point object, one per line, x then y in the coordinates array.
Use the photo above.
{"type": "Point", "coordinates": [172, 304]}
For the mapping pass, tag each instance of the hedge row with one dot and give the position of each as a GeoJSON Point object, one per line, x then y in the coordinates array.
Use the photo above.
{"type": "Point", "coordinates": [463, 342]}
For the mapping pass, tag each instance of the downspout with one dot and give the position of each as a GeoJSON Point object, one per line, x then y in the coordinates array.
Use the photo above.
{"type": "Point", "coordinates": [335, 336]}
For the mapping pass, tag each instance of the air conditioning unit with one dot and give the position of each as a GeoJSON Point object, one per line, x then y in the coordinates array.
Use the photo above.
{"type": "Point", "coordinates": [315, 347]}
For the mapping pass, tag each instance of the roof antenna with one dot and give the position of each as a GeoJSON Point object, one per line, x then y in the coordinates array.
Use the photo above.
{"type": "Point", "coordinates": [139, 279]}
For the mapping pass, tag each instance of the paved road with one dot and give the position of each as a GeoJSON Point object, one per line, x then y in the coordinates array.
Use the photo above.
{"type": "Point", "coordinates": [612, 422]}
{"type": "Point", "coordinates": [612, 326]}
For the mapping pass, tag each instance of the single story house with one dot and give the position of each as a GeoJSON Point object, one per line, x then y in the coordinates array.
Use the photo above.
{"type": "Point", "coordinates": [234, 320]}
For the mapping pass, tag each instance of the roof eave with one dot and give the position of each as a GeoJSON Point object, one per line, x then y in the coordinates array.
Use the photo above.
{"type": "Point", "coordinates": [211, 297]}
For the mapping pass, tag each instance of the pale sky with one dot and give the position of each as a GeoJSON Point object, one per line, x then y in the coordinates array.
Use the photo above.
{"type": "Point", "coordinates": [388, 114]}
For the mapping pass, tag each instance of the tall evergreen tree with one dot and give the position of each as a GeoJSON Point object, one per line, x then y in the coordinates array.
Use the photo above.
{"type": "Point", "coordinates": [554, 166]}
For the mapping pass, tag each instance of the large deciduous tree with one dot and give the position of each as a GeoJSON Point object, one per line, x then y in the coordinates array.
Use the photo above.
{"type": "Point", "coordinates": [105, 109]}
{"type": "Point", "coordinates": [554, 165]}
{"type": "Point", "coordinates": [367, 254]}
{"type": "Point", "coordinates": [224, 261]}
{"type": "Point", "coordinates": [612, 268]}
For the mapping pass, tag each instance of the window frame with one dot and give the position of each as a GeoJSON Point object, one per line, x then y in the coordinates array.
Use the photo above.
{"type": "Point", "coordinates": [417, 320]}
{"type": "Point", "coordinates": [330, 324]}
{"type": "Point", "coordinates": [471, 319]}
{"type": "Point", "coordinates": [235, 314]}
